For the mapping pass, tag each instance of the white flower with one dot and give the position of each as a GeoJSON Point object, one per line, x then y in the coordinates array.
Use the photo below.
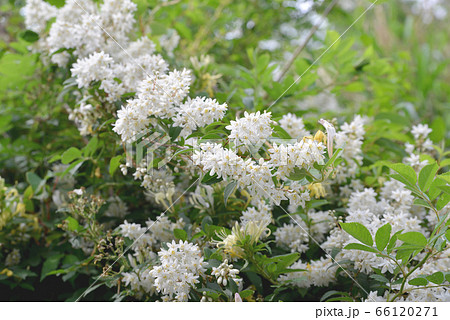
{"type": "Point", "coordinates": [421, 131]}
{"type": "Point", "coordinates": [37, 13]}
{"type": "Point", "coordinates": [293, 125]}
{"type": "Point", "coordinates": [181, 266]}
{"type": "Point", "coordinates": [251, 129]}
{"type": "Point", "coordinates": [198, 112]}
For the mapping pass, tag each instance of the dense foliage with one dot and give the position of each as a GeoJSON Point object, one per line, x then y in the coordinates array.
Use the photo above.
{"type": "Point", "coordinates": [224, 150]}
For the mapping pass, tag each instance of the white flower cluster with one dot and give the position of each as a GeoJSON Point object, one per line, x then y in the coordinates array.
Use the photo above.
{"type": "Point", "coordinates": [139, 280]}
{"type": "Point", "coordinates": [252, 129]}
{"type": "Point", "coordinates": [181, 266]}
{"type": "Point", "coordinates": [117, 64]}
{"type": "Point", "coordinates": [293, 125]}
{"type": "Point", "coordinates": [85, 117]}
{"type": "Point", "coordinates": [78, 26]}
{"type": "Point", "coordinates": [260, 215]}
{"type": "Point", "coordinates": [116, 208]}
{"type": "Point", "coordinates": [150, 237]}
{"type": "Point", "coordinates": [302, 154]}
{"type": "Point", "coordinates": [296, 236]}
{"type": "Point", "coordinates": [198, 112]}
{"type": "Point", "coordinates": [422, 144]}
{"type": "Point", "coordinates": [395, 207]}
{"type": "Point", "coordinates": [37, 13]}
{"type": "Point", "coordinates": [162, 98]}
{"type": "Point", "coordinates": [318, 273]}
{"type": "Point", "coordinates": [224, 272]}
{"type": "Point", "coordinates": [350, 139]}
{"type": "Point", "coordinates": [256, 177]}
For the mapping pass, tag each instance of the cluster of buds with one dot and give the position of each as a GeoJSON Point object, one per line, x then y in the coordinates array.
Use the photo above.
{"type": "Point", "coordinates": [224, 272]}
{"type": "Point", "coordinates": [109, 248]}
{"type": "Point", "coordinates": [82, 205]}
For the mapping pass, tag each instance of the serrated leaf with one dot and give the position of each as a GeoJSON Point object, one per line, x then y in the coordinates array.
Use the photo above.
{"type": "Point", "coordinates": [426, 176]}
{"type": "Point", "coordinates": [358, 231]}
{"type": "Point", "coordinates": [414, 238]}
{"type": "Point", "coordinates": [229, 189]}
{"type": "Point", "coordinates": [405, 171]}
{"type": "Point", "coordinates": [70, 154]}
{"type": "Point", "coordinates": [382, 236]}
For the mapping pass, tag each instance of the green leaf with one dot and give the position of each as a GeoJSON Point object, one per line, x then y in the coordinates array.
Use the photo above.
{"type": "Point", "coordinates": [405, 171]}
{"type": "Point", "coordinates": [34, 180]}
{"type": "Point", "coordinates": [29, 36]}
{"type": "Point", "coordinates": [443, 200]}
{"type": "Point", "coordinates": [281, 132]}
{"type": "Point", "coordinates": [438, 130]}
{"type": "Point", "coordinates": [380, 278]}
{"type": "Point", "coordinates": [333, 158]}
{"type": "Point", "coordinates": [180, 234]}
{"type": "Point", "coordinates": [114, 164]}
{"type": "Point", "coordinates": [54, 158]}
{"type": "Point", "coordinates": [423, 203]}
{"type": "Point", "coordinates": [382, 236]}
{"type": "Point", "coordinates": [434, 188]}
{"type": "Point", "coordinates": [246, 293]}
{"type": "Point", "coordinates": [436, 278]}
{"type": "Point", "coordinates": [229, 190]}
{"type": "Point", "coordinates": [413, 237]}
{"type": "Point", "coordinates": [392, 242]}
{"type": "Point", "coordinates": [358, 231]}
{"type": "Point", "coordinates": [358, 246]}
{"type": "Point", "coordinates": [447, 234]}
{"type": "Point", "coordinates": [91, 147]}
{"type": "Point", "coordinates": [402, 180]}
{"type": "Point", "coordinates": [298, 174]}
{"type": "Point", "coordinates": [445, 177]}
{"type": "Point", "coordinates": [444, 188]}
{"type": "Point", "coordinates": [426, 176]}
{"type": "Point", "coordinates": [174, 132]}
{"type": "Point", "coordinates": [70, 154]}
{"type": "Point", "coordinates": [420, 281]}
{"type": "Point", "coordinates": [50, 264]}
{"type": "Point", "coordinates": [72, 224]}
